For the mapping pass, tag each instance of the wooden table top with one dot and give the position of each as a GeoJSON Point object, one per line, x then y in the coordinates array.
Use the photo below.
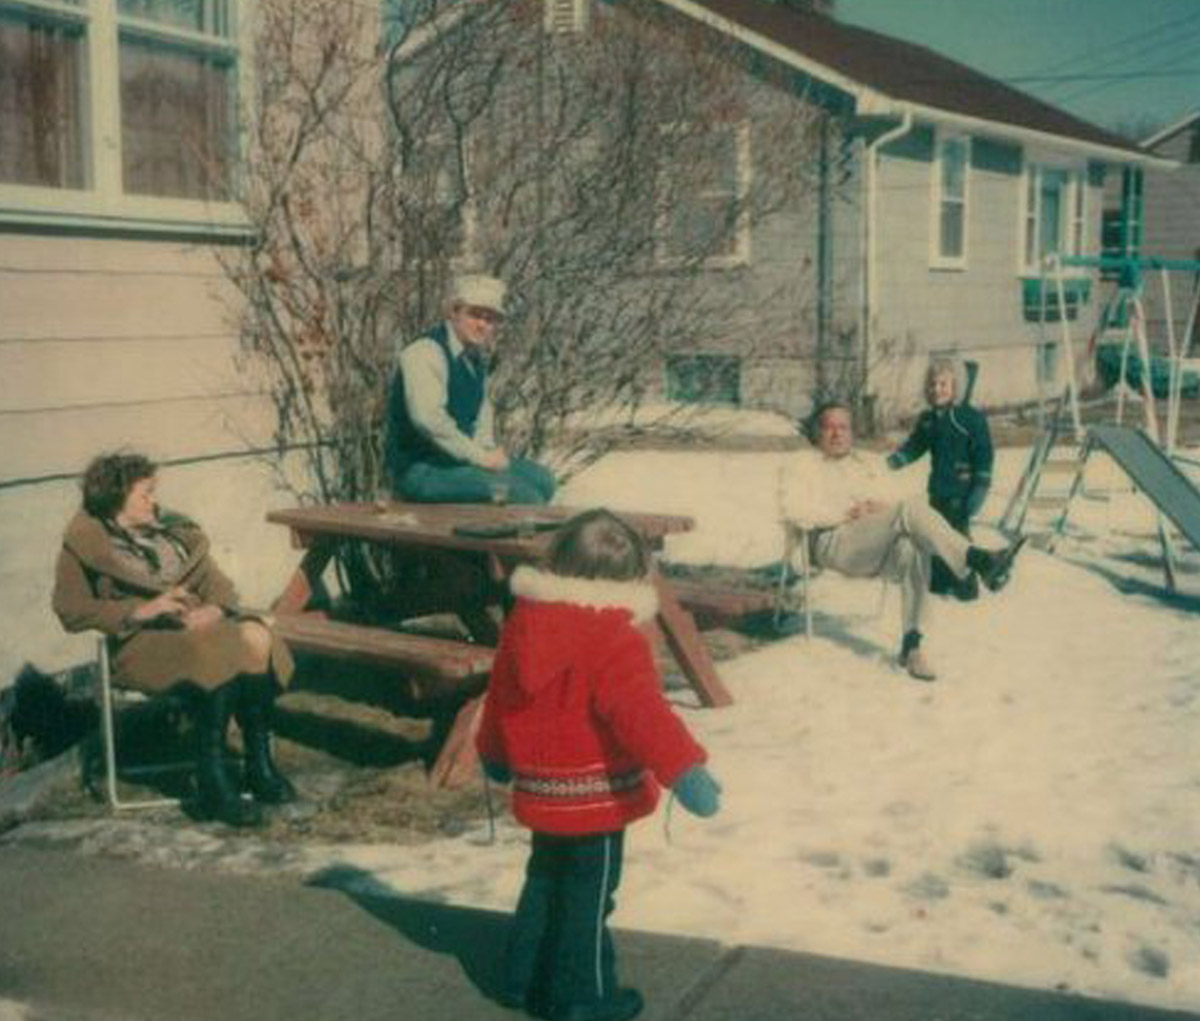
{"type": "Point", "coordinates": [433, 524]}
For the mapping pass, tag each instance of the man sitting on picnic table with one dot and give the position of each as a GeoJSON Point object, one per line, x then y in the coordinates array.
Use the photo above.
{"type": "Point", "coordinates": [440, 442]}
{"type": "Point", "coordinates": [857, 530]}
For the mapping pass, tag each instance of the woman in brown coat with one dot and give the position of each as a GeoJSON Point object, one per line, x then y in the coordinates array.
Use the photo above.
{"type": "Point", "coordinates": [144, 577]}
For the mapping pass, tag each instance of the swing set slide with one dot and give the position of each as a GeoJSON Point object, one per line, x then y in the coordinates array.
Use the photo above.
{"type": "Point", "coordinates": [1154, 473]}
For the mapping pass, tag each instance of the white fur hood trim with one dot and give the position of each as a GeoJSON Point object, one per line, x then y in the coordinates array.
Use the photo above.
{"type": "Point", "coordinates": [638, 598]}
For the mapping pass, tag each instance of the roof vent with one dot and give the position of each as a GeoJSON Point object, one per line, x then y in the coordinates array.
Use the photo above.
{"type": "Point", "coordinates": [566, 17]}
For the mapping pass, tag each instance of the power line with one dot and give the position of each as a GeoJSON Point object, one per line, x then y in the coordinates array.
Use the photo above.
{"type": "Point", "coordinates": [1095, 52]}
{"type": "Point", "coordinates": [1107, 76]}
{"type": "Point", "coordinates": [1091, 90]}
{"type": "Point", "coordinates": [1178, 46]}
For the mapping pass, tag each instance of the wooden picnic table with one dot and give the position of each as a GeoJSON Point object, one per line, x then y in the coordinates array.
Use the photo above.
{"type": "Point", "coordinates": [463, 574]}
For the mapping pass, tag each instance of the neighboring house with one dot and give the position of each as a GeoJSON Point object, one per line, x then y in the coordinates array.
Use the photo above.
{"type": "Point", "coordinates": [1155, 212]}
{"type": "Point", "coordinates": [964, 185]}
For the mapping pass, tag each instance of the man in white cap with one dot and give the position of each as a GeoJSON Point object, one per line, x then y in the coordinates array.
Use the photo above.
{"type": "Point", "coordinates": [441, 445]}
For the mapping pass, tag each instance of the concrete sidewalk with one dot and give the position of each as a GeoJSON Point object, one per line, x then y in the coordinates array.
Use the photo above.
{"type": "Point", "coordinates": [85, 938]}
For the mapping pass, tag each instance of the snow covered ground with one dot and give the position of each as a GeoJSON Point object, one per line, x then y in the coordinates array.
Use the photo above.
{"type": "Point", "coordinates": [1033, 817]}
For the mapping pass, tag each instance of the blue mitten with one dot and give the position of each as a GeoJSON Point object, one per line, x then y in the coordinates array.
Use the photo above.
{"type": "Point", "coordinates": [698, 792]}
{"type": "Point", "coordinates": [896, 460]}
{"type": "Point", "coordinates": [495, 771]}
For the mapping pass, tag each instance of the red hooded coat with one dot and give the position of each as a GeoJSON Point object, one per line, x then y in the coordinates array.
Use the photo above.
{"type": "Point", "coordinates": [575, 708]}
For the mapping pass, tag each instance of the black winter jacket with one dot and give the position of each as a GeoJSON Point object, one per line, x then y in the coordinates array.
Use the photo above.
{"type": "Point", "coordinates": [959, 444]}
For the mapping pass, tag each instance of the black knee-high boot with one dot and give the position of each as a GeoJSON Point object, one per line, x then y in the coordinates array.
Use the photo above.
{"type": "Point", "coordinates": [217, 791]}
{"type": "Point", "coordinates": [256, 707]}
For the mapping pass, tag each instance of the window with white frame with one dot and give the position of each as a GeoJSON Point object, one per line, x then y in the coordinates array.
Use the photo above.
{"type": "Point", "coordinates": [1055, 214]}
{"type": "Point", "coordinates": [951, 168]}
{"type": "Point", "coordinates": [119, 110]}
{"type": "Point", "coordinates": [1078, 234]}
{"type": "Point", "coordinates": [177, 98]}
{"type": "Point", "coordinates": [1029, 230]}
{"type": "Point", "coordinates": [702, 196]}
{"type": "Point", "coordinates": [41, 109]}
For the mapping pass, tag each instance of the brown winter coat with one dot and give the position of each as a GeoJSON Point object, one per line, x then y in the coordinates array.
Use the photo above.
{"type": "Point", "coordinates": [94, 590]}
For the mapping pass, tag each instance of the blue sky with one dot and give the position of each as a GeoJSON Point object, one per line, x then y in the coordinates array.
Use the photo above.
{"type": "Point", "coordinates": [1115, 60]}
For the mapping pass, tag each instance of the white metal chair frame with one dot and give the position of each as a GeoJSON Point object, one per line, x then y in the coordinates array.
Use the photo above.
{"type": "Point", "coordinates": [108, 733]}
{"type": "Point", "coordinates": [797, 546]}
{"type": "Point", "coordinates": [796, 540]}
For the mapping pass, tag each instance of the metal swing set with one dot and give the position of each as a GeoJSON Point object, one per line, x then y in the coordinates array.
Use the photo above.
{"type": "Point", "coordinates": [1147, 455]}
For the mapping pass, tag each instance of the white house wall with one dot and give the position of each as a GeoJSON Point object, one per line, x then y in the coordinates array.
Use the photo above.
{"type": "Point", "coordinates": [777, 291]}
{"type": "Point", "coordinates": [106, 344]}
{"type": "Point", "coordinates": [779, 370]}
{"type": "Point", "coordinates": [975, 312]}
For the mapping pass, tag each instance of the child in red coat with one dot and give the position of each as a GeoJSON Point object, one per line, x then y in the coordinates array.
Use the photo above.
{"type": "Point", "coordinates": [575, 717]}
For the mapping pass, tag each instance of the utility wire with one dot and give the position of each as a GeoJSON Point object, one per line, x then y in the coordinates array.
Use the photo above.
{"type": "Point", "coordinates": [1117, 44]}
{"type": "Point", "coordinates": [1169, 56]}
{"type": "Point", "coordinates": [1090, 90]}
{"type": "Point", "coordinates": [1103, 77]}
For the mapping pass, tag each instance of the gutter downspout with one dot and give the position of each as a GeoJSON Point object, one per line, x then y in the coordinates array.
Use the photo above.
{"type": "Point", "coordinates": [869, 285]}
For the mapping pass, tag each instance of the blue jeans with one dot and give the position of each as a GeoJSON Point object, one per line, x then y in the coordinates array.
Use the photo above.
{"type": "Point", "coordinates": [522, 482]}
{"type": "Point", "coordinates": [560, 950]}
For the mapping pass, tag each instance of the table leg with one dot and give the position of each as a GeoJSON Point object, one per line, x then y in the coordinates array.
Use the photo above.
{"type": "Point", "coordinates": [683, 638]}
{"type": "Point", "coordinates": [457, 762]}
{"type": "Point", "coordinates": [306, 580]}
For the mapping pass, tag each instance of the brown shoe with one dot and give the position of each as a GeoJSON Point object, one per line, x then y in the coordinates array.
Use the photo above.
{"type": "Point", "coordinates": [918, 666]}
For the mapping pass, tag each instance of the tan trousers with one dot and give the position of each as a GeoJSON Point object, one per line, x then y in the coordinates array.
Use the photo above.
{"type": "Point", "coordinates": [897, 543]}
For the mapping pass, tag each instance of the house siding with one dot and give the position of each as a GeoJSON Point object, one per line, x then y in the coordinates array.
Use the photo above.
{"type": "Point", "coordinates": [974, 312]}
{"type": "Point", "coordinates": [780, 372]}
{"type": "Point", "coordinates": [780, 347]}
{"type": "Point", "coordinates": [107, 344]}
{"type": "Point", "coordinates": [1172, 231]}
{"type": "Point", "coordinates": [769, 312]}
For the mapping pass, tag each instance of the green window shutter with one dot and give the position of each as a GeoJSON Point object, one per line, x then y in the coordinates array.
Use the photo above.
{"type": "Point", "coordinates": [1042, 305]}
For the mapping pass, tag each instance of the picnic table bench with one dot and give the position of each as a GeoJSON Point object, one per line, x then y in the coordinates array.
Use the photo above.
{"type": "Point", "coordinates": [440, 664]}
{"type": "Point", "coordinates": [717, 605]}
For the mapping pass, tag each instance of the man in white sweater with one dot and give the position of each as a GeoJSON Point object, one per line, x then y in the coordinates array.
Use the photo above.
{"type": "Point", "coordinates": [858, 528]}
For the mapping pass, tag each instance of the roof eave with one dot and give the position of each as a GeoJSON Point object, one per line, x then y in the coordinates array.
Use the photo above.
{"type": "Point", "coordinates": [1170, 130]}
{"type": "Point", "coordinates": [866, 99]}
{"type": "Point", "coordinates": [872, 102]}
{"type": "Point", "coordinates": [1108, 153]}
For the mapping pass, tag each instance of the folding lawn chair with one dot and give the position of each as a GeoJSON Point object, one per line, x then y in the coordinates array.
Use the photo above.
{"type": "Point", "coordinates": [108, 730]}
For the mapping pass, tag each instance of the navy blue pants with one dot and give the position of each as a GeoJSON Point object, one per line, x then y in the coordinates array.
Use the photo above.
{"type": "Point", "coordinates": [523, 481]}
{"type": "Point", "coordinates": [560, 950]}
{"type": "Point", "coordinates": [941, 579]}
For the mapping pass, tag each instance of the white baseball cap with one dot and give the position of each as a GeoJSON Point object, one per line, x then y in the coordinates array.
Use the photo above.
{"type": "Point", "coordinates": [480, 291]}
